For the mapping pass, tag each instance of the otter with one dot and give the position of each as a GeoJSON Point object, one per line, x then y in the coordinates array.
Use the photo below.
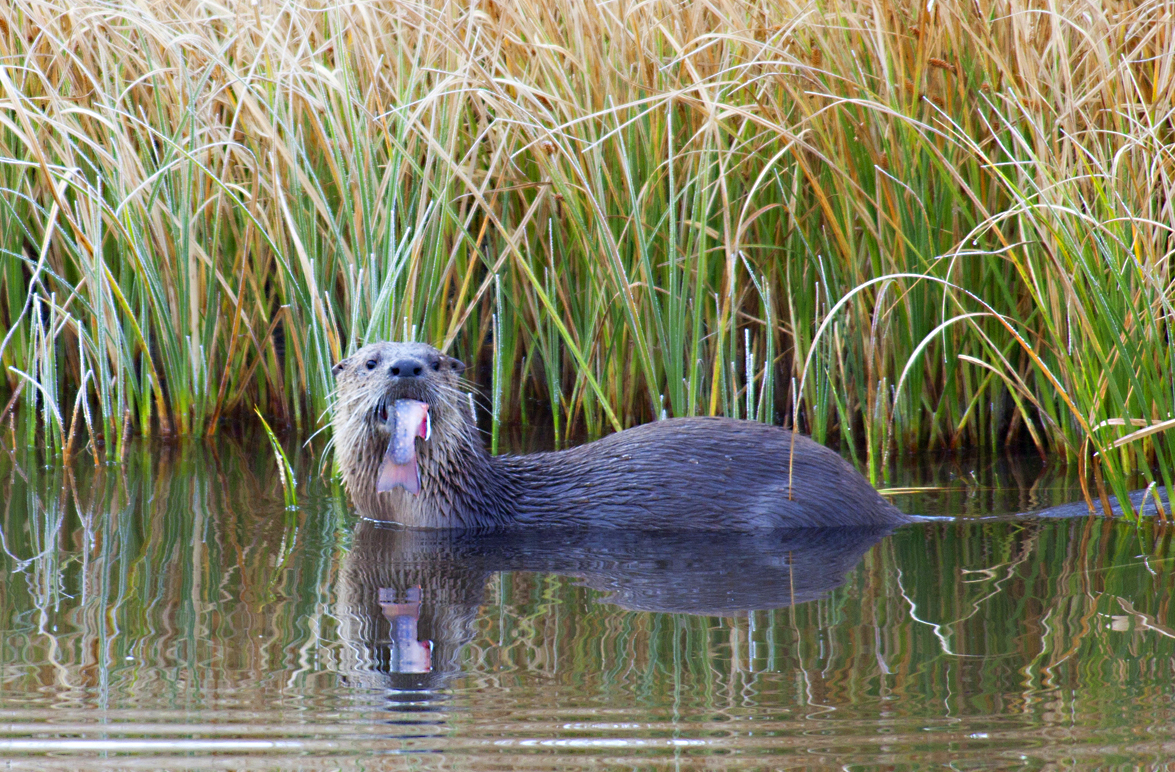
{"type": "Point", "coordinates": [410, 453]}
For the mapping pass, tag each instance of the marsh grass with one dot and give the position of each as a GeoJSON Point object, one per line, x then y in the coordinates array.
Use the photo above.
{"type": "Point", "coordinates": [289, 479]}
{"type": "Point", "coordinates": [621, 210]}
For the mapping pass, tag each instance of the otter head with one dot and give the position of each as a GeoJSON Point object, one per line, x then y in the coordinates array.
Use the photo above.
{"type": "Point", "coordinates": [400, 417]}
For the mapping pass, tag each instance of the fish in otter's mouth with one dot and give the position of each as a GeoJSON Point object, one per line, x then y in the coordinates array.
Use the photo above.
{"type": "Point", "coordinates": [407, 420]}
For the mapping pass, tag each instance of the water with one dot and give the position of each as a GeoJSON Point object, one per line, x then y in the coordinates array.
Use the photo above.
{"type": "Point", "coordinates": [170, 613]}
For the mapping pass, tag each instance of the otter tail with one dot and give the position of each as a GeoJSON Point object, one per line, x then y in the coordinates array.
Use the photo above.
{"type": "Point", "coordinates": [1141, 501]}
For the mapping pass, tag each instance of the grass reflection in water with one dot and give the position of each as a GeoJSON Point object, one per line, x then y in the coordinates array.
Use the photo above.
{"type": "Point", "coordinates": [172, 613]}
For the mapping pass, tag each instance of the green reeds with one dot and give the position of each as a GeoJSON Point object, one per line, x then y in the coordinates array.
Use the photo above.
{"type": "Point", "coordinates": [623, 212]}
{"type": "Point", "coordinates": [285, 470]}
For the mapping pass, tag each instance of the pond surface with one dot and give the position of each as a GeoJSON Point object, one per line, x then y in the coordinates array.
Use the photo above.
{"type": "Point", "coordinates": [171, 613]}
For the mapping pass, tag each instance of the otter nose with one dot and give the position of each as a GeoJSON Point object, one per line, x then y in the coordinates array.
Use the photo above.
{"type": "Point", "coordinates": [407, 368]}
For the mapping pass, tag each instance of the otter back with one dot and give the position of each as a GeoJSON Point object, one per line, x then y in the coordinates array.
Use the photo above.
{"type": "Point", "coordinates": [696, 474]}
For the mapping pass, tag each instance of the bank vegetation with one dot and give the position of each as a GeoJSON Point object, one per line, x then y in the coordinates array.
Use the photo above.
{"type": "Point", "coordinates": [903, 226]}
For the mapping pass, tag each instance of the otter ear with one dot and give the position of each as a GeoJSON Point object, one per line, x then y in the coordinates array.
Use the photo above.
{"type": "Point", "coordinates": [456, 365]}
{"type": "Point", "coordinates": [340, 367]}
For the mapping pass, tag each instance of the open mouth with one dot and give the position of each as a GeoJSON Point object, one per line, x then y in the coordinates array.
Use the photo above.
{"type": "Point", "coordinates": [408, 419]}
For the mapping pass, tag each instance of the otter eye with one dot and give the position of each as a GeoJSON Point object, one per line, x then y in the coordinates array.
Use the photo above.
{"type": "Point", "coordinates": [371, 363]}
{"type": "Point", "coordinates": [436, 364]}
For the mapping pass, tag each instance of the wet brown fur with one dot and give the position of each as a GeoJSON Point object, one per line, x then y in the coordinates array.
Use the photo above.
{"type": "Point", "coordinates": [678, 474]}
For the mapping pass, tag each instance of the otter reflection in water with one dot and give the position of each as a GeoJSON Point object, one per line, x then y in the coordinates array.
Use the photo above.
{"type": "Point", "coordinates": [408, 599]}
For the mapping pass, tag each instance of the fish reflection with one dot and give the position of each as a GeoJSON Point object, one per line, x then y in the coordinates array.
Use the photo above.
{"type": "Point", "coordinates": [408, 600]}
{"type": "Point", "coordinates": [411, 654]}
